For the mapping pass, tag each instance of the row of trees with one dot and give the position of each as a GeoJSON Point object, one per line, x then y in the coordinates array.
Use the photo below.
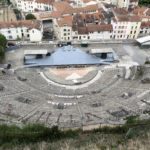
{"type": "Point", "coordinates": [3, 43]}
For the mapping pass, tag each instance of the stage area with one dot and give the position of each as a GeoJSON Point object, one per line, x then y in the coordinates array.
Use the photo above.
{"type": "Point", "coordinates": [68, 56]}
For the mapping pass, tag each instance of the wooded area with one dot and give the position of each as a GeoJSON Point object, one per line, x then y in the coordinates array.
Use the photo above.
{"type": "Point", "coordinates": [144, 2]}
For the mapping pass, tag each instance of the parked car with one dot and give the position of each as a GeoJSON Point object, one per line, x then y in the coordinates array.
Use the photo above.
{"type": "Point", "coordinates": [61, 44]}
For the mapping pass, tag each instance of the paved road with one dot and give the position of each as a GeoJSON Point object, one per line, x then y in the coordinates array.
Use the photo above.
{"type": "Point", "coordinates": [136, 54]}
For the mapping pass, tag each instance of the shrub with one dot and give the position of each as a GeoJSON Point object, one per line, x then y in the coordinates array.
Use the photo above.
{"type": "Point", "coordinates": [30, 17]}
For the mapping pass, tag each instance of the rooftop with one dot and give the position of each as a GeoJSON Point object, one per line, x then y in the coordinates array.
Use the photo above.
{"type": "Point", "coordinates": [66, 20]}
{"type": "Point", "coordinates": [101, 50]}
{"type": "Point", "coordinates": [143, 39]}
{"type": "Point", "coordinates": [145, 24]}
{"type": "Point", "coordinates": [94, 28]}
{"type": "Point", "coordinates": [35, 52]}
{"type": "Point", "coordinates": [23, 23]}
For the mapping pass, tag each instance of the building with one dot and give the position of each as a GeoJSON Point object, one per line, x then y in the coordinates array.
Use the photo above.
{"type": "Point", "coordinates": [105, 53]}
{"type": "Point", "coordinates": [63, 28]}
{"type": "Point", "coordinates": [22, 30]}
{"type": "Point", "coordinates": [125, 3]}
{"type": "Point", "coordinates": [66, 9]}
{"type": "Point", "coordinates": [93, 32]}
{"type": "Point", "coordinates": [70, 28]}
{"type": "Point", "coordinates": [29, 6]}
{"type": "Point", "coordinates": [145, 28]}
{"type": "Point", "coordinates": [144, 41]}
{"type": "Point", "coordinates": [125, 26]}
{"type": "Point", "coordinates": [133, 3]}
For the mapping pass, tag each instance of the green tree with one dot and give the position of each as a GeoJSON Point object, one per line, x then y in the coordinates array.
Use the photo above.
{"type": "Point", "coordinates": [3, 41]}
{"type": "Point", "coordinates": [30, 17]}
{"type": "Point", "coordinates": [144, 2]}
{"type": "Point", "coordinates": [2, 53]}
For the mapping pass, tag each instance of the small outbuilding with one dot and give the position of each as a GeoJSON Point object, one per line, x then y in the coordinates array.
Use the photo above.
{"type": "Point", "coordinates": [35, 54]}
{"type": "Point", "coordinates": [104, 53]}
{"type": "Point", "coordinates": [144, 41]}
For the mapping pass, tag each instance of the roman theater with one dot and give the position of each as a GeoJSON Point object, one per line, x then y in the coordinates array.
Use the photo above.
{"type": "Point", "coordinates": [80, 92]}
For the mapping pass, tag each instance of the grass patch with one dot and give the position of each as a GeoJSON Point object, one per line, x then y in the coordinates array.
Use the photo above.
{"type": "Point", "coordinates": [35, 133]}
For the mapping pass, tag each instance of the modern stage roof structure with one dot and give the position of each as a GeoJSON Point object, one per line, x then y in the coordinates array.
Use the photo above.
{"type": "Point", "coordinates": [68, 56]}
{"type": "Point", "coordinates": [144, 40]}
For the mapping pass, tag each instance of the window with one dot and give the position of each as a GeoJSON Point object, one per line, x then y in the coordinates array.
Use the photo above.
{"type": "Point", "coordinates": [64, 29]}
{"type": "Point", "coordinates": [32, 31]}
{"type": "Point", "coordinates": [10, 37]}
{"type": "Point", "coordinates": [9, 31]}
{"type": "Point", "coordinates": [64, 34]}
{"type": "Point", "coordinates": [141, 31]}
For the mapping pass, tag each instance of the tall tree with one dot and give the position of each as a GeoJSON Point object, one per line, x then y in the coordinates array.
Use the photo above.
{"type": "Point", "coordinates": [2, 54]}
{"type": "Point", "coordinates": [144, 2]}
{"type": "Point", "coordinates": [3, 41]}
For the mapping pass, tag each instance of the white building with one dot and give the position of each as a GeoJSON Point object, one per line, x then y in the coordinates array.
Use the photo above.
{"type": "Point", "coordinates": [63, 28]}
{"type": "Point", "coordinates": [65, 31]}
{"type": "Point", "coordinates": [126, 29]}
{"type": "Point", "coordinates": [33, 5]}
{"type": "Point", "coordinates": [125, 26]}
{"type": "Point", "coordinates": [125, 3]}
{"type": "Point", "coordinates": [133, 3]}
{"type": "Point", "coordinates": [22, 30]}
{"type": "Point", "coordinates": [93, 32]}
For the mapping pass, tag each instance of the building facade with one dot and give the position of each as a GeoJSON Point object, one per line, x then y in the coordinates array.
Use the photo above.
{"type": "Point", "coordinates": [22, 30]}
{"type": "Point", "coordinates": [30, 6]}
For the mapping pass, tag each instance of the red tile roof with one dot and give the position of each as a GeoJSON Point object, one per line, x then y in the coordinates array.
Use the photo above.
{"type": "Point", "coordinates": [95, 28]}
{"type": "Point", "coordinates": [63, 7]}
{"type": "Point", "coordinates": [140, 10]}
{"type": "Point", "coordinates": [120, 11]}
{"type": "Point", "coordinates": [66, 20]}
{"type": "Point", "coordinates": [145, 24]}
{"type": "Point", "coordinates": [23, 23]}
